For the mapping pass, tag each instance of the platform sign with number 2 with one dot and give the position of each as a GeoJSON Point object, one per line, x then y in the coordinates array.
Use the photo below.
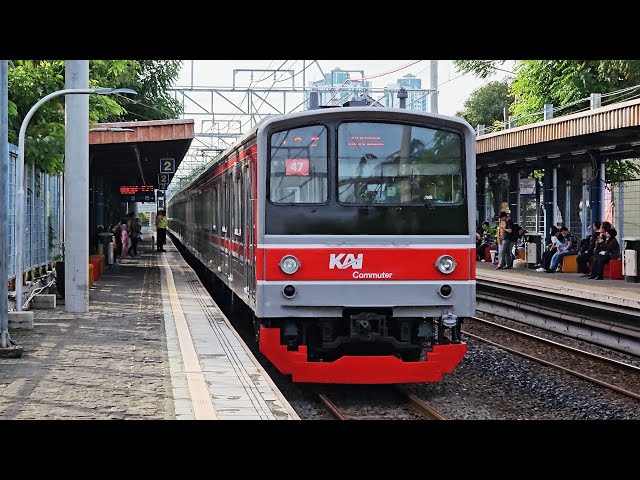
{"type": "Point", "coordinates": [167, 165]}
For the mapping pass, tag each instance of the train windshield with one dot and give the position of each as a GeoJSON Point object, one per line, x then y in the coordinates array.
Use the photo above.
{"type": "Point", "coordinates": [299, 165]}
{"type": "Point", "coordinates": [398, 164]}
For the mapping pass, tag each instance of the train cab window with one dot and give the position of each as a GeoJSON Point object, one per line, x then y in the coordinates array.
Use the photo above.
{"type": "Point", "coordinates": [298, 165]}
{"type": "Point", "coordinates": [385, 163]}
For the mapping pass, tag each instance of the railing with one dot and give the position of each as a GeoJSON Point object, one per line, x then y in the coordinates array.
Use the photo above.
{"type": "Point", "coordinates": [42, 218]}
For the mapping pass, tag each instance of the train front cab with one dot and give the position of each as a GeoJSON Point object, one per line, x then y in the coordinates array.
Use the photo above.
{"type": "Point", "coordinates": [366, 258]}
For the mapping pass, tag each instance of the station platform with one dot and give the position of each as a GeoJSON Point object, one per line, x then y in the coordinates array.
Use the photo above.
{"type": "Point", "coordinates": [613, 292]}
{"type": "Point", "coordinates": [153, 346]}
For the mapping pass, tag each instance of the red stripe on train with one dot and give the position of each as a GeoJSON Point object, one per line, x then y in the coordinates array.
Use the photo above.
{"type": "Point", "coordinates": [386, 264]}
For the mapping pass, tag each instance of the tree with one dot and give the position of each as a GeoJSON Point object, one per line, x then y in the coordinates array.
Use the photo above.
{"type": "Point", "coordinates": [485, 105]}
{"type": "Point", "coordinates": [30, 80]}
{"type": "Point", "coordinates": [566, 84]}
{"type": "Point", "coordinates": [480, 68]}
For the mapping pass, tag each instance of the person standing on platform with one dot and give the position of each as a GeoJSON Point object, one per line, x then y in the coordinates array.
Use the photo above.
{"type": "Point", "coordinates": [134, 235]}
{"type": "Point", "coordinates": [506, 258]}
{"type": "Point", "coordinates": [161, 227]}
{"type": "Point", "coordinates": [124, 232]}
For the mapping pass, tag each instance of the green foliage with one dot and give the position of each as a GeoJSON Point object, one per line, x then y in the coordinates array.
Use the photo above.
{"type": "Point", "coordinates": [485, 106]}
{"type": "Point", "coordinates": [31, 80]}
{"type": "Point", "coordinates": [620, 170]}
{"type": "Point", "coordinates": [480, 68]}
{"type": "Point", "coordinates": [567, 85]}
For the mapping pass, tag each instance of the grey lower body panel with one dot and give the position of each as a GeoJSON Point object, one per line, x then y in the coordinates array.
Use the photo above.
{"type": "Point", "coordinates": [328, 299]}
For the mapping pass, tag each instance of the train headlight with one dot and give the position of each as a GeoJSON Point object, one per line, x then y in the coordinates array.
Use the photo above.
{"type": "Point", "coordinates": [289, 264]}
{"type": "Point", "coordinates": [446, 264]}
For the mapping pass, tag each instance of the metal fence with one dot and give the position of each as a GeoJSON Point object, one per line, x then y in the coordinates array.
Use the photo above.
{"type": "Point", "coordinates": [623, 208]}
{"type": "Point", "coordinates": [42, 216]}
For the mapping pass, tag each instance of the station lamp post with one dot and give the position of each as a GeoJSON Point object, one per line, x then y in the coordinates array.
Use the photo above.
{"type": "Point", "coordinates": [20, 200]}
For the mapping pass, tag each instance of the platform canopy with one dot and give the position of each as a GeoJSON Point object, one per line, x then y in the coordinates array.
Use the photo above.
{"type": "Point", "coordinates": [136, 153]}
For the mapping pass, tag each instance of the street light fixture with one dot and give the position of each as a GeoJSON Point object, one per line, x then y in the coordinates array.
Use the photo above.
{"type": "Point", "coordinates": [20, 202]}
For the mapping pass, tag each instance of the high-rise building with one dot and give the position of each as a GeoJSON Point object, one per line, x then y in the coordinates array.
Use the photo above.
{"type": "Point", "coordinates": [338, 88]}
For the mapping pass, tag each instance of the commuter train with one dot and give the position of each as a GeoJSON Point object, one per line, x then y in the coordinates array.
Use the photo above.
{"type": "Point", "coordinates": [350, 234]}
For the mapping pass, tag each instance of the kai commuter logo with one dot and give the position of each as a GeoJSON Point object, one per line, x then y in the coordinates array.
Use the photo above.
{"type": "Point", "coordinates": [345, 260]}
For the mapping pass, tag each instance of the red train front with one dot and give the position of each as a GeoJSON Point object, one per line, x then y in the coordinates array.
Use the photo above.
{"type": "Point", "coordinates": [355, 242]}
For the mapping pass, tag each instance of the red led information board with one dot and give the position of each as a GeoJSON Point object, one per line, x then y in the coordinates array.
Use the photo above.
{"type": "Point", "coordinates": [137, 193]}
{"type": "Point", "coordinates": [135, 189]}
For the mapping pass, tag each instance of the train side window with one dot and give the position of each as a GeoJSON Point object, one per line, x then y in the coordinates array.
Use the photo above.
{"type": "Point", "coordinates": [237, 211]}
{"type": "Point", "coordinates": [298, 165]}
{"type": "Point", "coordinates": [214, 209]}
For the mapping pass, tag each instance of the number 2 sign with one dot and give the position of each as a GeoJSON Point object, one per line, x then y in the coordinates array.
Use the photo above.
{"type": "Point", "coordinates": [297, 166]}
{"type": "Point", "coordinates": [164, 178]}
{"type": "Point", "coordinates": [167, 165]}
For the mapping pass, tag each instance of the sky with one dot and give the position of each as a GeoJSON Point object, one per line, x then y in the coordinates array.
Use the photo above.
{"type": "Point", "coordinates": [453, 88]}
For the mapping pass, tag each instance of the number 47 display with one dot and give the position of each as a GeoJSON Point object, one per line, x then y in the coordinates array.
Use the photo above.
{"type": "Point", "coordinates": [296, 166]}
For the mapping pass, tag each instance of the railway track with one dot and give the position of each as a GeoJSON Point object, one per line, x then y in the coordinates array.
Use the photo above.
{"type": "Point", "coordinates": [388, 411]}
{"type": "Point", "coordinates": [605, 372]}
{"type": "Point", "coordinates": [613, 326]}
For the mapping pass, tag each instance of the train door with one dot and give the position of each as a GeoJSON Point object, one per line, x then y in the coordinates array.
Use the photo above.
{"type": "Point", "coordinates": [213, 235]}
{"type": "Point", "coordinates": [249, 241]}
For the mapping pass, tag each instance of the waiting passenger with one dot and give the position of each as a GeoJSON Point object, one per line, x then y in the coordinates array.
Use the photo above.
{"type": "Point", "coordinates": [506, 258]}
{"type": "Point", "coordinates": [606, 250]}
{"type": "Point", "coordinates": [587, 246]}
{"type": "Point", "coordinates": [550, 249]}
{"type": "Point", "coordinates": [568, 248]}
{"type": "Point", "coordinates": [484, 241]}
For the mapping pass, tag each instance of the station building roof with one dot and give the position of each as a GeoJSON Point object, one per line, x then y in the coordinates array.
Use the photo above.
{"type": "Point", "coordinates": [129, 153]}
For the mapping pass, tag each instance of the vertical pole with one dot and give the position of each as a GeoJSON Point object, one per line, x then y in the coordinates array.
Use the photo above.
{"type": "Point", "coordinates": [60, 212]}
{"type": "Point", "coordinates": [522, 219]}
{"type": "Point", "coordinates": [481, 196]}
{"type": "Point", "coordinates": [5, 340]}
{"type": "Point", "coordinates": [487, 200]}
{"type": "Point", "coordinates": [32, 223]}
{"type": "Point", "coordinates": [554, 219]}
{"type": "Point", "coordinates": [603, 188]}
{"type": "Point", "coordinates": [76, 171]}
{"type": "Point", "coordinates": [567, 204]}
{"type": "Point", "coordinates": [586, 230]}
{"type": "Point", "coordinates": [621, 212]}
{"type": "Point", "coordinates": [547, 198]}
{"type": "Point", "coordinates": [514, 187]}
{"type": "Point", "coordinates": [433, 86]}
{"type": "Point", "coordinates": [538, 226]}
{"type": "Point", "coordinates": [595, 197]}
{"type": "Point", "coordinates": [44, 187]}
